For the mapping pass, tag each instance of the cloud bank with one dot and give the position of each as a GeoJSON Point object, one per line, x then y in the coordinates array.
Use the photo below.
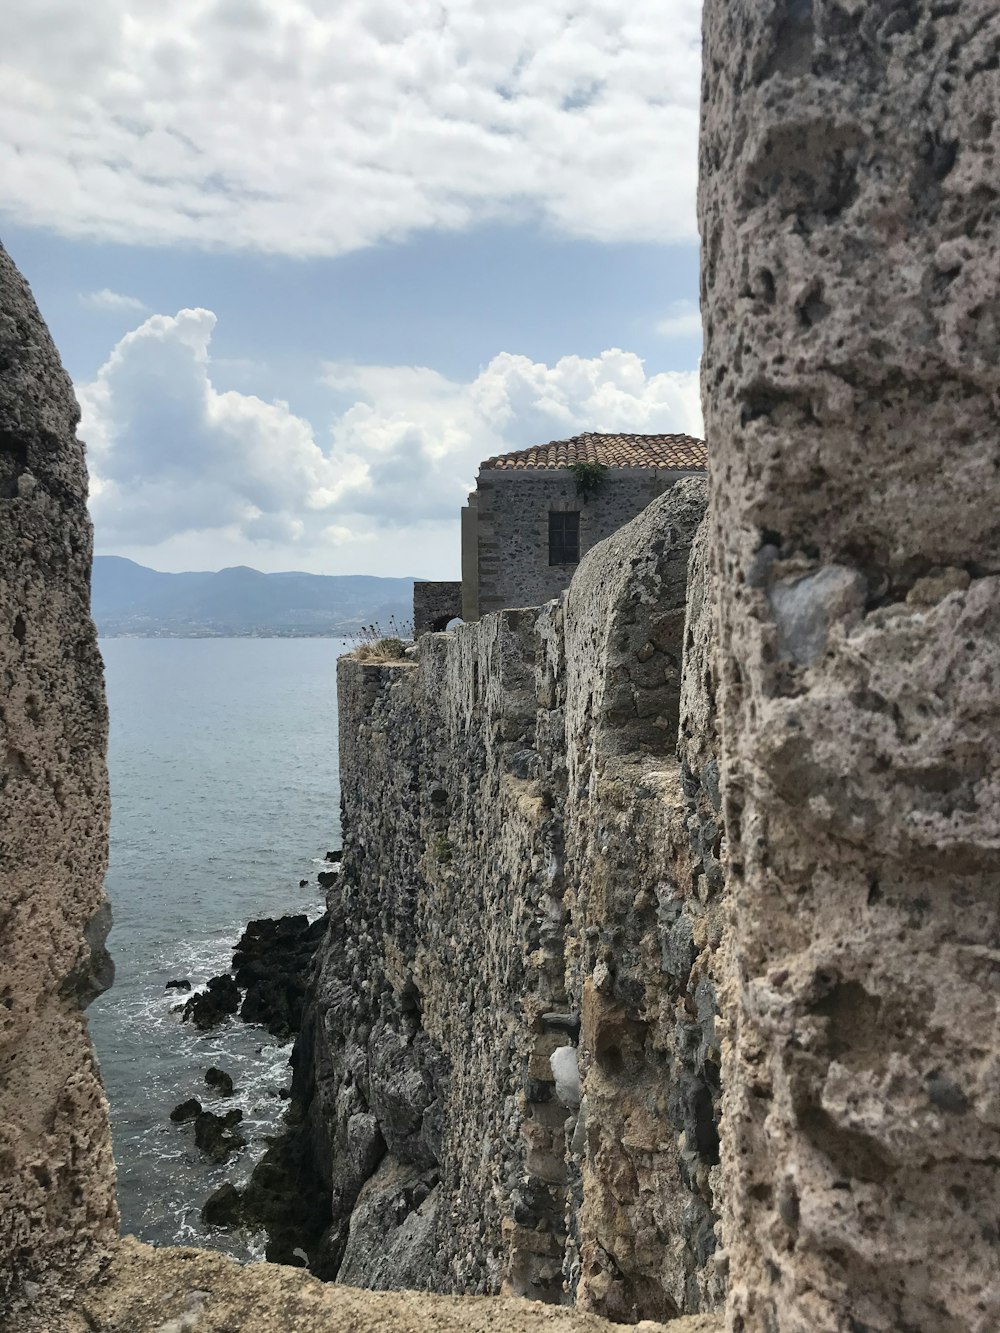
{"type": "Point", "coordinates": [304, 128]}
{"type": "Point", "coordinates": [183, 474]}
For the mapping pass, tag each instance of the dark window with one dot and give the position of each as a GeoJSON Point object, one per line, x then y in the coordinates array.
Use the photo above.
{"type": "Point", "coordinates": [564, 538]}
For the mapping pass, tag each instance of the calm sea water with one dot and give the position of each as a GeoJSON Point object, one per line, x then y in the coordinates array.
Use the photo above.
{"type": "Point", "coordinates": [225, 794]}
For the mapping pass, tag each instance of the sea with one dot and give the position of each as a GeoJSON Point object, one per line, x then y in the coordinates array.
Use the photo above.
{"type": "Point", "coordinates": [225, 795]}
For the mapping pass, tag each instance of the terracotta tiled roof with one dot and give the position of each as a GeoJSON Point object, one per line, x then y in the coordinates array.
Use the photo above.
{"type": "Point", "coordinates": [668, 451]}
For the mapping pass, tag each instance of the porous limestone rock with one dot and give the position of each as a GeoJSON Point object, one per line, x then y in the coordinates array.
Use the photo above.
{"type": "Point", "coordinates": [851, 240]}
{"type": "Point", "coordinates": [146, 1290]}
{"type": "Point", "coordinates": [57, 1208]}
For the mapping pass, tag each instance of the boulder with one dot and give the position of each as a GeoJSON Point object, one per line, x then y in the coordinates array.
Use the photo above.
{"type": "Point", "coordinates": [220, 1081]}
{"type": "Point", "coordinates": [179, 983]}
{"type": "Point", "coordinates": [272, 963]}
{"type": "Point", "coordinates": [210, 1134]}
{"type": "Point", "coordinates": [286, 1196]}
{"type": "Point", "coordinates": [222, 1208]}
{"type": "Point", "coordinates": [220, 998]}
{"type": "Point", "coordinates": [188, 1110]}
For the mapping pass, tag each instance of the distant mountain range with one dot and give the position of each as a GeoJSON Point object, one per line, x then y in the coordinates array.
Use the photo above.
{"type": "Point", "coordinates": [131, 600]}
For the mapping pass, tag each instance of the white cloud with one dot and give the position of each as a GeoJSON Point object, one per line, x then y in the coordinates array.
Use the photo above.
{"type": "Point", "coordinates": [413, 440]}
{"type": "Point", "coordinates": [114, 302]}
{"type": "Point", "coordinates": [170, 454]}
{"type": "Point", "coordinates": [683, 321]}
{"type": "Point", "coordinates": [184, 475]}
{"type": "Point", "coordinates": [301, 127]}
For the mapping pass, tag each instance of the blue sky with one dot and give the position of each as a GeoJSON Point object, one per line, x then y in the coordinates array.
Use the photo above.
{"type": "Point", "coordinates": [308, 263]}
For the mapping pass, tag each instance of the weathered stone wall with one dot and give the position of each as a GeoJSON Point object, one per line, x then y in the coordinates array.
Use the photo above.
{"type": "Point", "coordinates": [435, 603]}
{"type": "Point", "coordinates": [523, 850]}
{"type": "Point", "coordinates": [57, 1209]}
{"type": "Point", "coordinates": [512, 526]}
{"type": "Point", "coordinates": [849, 211]}
{"type": "Point", "coordinates": [645, 909]}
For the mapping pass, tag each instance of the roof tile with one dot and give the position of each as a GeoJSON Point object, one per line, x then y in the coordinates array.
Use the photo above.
{"type": "Point", "coordinates": [666, 451]}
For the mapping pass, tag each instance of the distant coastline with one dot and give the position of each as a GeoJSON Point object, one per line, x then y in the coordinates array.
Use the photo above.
{"type": "Point", "coordinates": [272, 633]}
{"type": "Point", "coordinates": [131, 601]}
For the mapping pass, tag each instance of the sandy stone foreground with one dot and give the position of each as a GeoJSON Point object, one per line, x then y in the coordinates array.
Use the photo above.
{"type": "Point", "coordinates": [148, 1290]}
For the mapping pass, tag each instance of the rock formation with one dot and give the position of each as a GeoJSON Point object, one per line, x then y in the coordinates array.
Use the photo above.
{"type": "Point", "coordinates": [849, 213]}
{"type": "Point", "coordinates": [57, 1208]}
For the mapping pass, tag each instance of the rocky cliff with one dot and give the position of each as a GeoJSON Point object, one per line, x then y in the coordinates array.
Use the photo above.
{"type": "Point", "coordinates": [57, 1205]}
{"type": "Point", "coordinates": [510, 1074]}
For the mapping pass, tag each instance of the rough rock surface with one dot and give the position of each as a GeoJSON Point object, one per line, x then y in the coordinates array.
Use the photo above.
{"type": "Point", "coordinates": [645, 900]}
{"type": "Point", "coordinates": [273, 963]}
{"type": "Point", "coordinates": [525, 852]}
{"type": "Point", "coordinates": [57, 1208]}
{"type": "Point", "coordinates": [191, 1291]}
{"type": "Point", "coordinates": [851, 239]}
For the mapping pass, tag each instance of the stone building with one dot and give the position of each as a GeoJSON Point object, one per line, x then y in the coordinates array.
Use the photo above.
{"type": "Point", "coordinates": [535, 512]}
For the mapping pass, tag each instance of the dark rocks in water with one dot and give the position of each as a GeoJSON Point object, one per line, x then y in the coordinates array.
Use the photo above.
{"type": "Point", "coordinates": [276, 1005]}
{"type": "Point", "coordinates": [188, 1110]}
{"type": "Point", "coordinates": [179, 983]}
{"type": "Point", "coordinates": [220, 1081]}
{"type": "Point", "coordinates": [303, 883]}
{"type": "Point", "coordinates": [210, 1134]}
{"type": "Point", "coordinates": [223, 1207]}
{"type": "Point", "coordinates": [286, 1196]}
{"type": "Point", "coordinates": [327, 878]}
{"type": "Point", "coordinates": [272, 963]}
{"type": "Point", "coordinates": [335, 855]}
{"type": "Point", "coordinates": [211, 1006]}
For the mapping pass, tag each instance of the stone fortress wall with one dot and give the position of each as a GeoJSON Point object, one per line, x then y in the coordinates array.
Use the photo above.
{"type": "Point", "coordinates": [529, 868]}
{"type": "Point", "coordinates": [57, 1204]}
{"type": "Point", "coordinates": [797, 914]}
{"type": "Point", "coordinates": [63, 1268]}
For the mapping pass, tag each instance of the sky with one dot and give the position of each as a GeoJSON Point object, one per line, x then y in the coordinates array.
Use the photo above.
{"type": "Point", "coordinates": [309, 262]}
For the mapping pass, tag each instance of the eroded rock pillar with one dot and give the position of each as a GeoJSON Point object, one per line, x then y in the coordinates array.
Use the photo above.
{"type": "Point", "coordinates": [57, 1207]}
{"type": "Point", "coordinates": [848, 202]}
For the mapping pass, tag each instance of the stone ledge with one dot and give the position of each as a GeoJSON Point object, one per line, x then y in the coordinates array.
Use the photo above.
{"type": "Point", "coordinates": [148, 1290]}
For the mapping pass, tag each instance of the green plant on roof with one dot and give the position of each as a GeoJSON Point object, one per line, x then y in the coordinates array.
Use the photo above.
{"type": "Point", "coordinates": [589, 478]}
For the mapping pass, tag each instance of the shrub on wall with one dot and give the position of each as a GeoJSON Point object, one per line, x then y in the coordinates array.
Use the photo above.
{"type": "Point", "coordinates": [589, 478]}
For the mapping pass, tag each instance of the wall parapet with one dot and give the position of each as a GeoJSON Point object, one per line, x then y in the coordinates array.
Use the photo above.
{"type": "Point", "coordinates": [487, 918]}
